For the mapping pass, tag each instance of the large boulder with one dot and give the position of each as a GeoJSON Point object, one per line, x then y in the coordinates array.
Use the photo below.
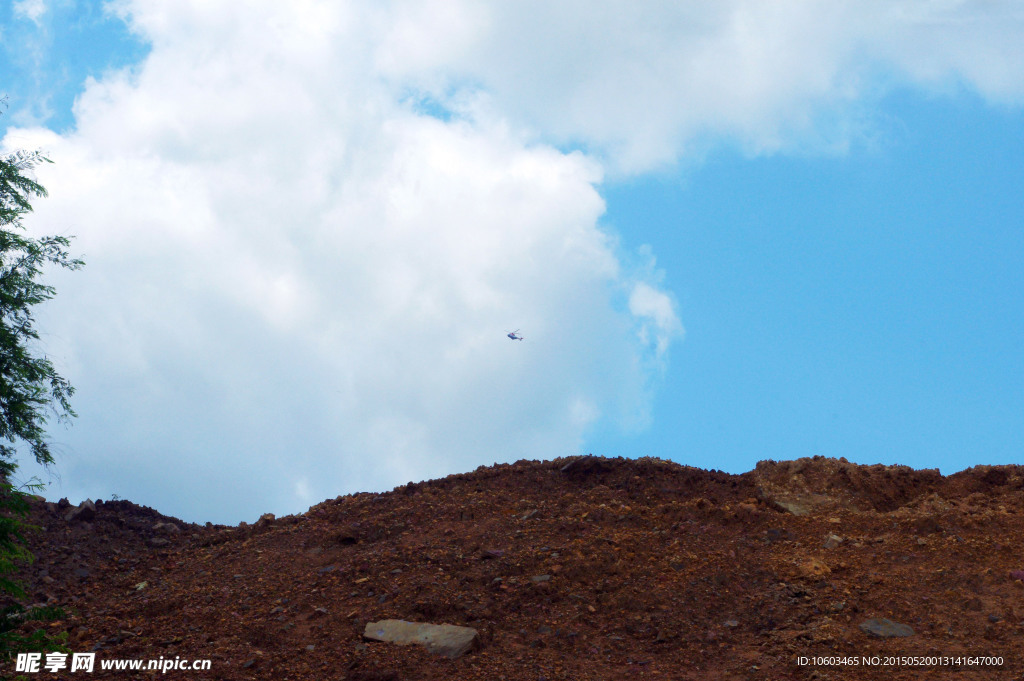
{"type": "Point", "coordinates": [443, 639]}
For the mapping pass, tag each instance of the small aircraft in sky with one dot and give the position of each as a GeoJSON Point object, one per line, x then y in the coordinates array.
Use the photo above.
{"type": "Point", "coordinates": [514, 335]}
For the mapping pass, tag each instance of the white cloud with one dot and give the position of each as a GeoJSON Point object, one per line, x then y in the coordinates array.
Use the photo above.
{"type": "Point", "coordinates": [297, 286]}
{"type": "Point", "coordinates": [298, 282]}
{"type": "Point", "coordinates": [29, 9]}
{"type": "Point", "coordinates": [655, 308]}
{"type": "Point", "coordinates": [642, 83]}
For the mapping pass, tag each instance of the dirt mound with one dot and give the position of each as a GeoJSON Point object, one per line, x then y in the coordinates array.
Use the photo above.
{"type": "Point", "coordinates": [819, 483]}
{"type": "Point", "coordinates": [579, 568]}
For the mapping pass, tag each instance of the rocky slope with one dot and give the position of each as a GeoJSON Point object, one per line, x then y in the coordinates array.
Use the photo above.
{"type": "Point", "coordinates": [580, 568]}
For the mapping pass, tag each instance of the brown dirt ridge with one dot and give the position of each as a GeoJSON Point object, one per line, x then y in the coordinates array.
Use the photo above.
{"type": "Point", "coordinates": [578, 568]}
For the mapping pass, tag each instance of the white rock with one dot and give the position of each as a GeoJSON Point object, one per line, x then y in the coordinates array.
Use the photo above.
{"type": "Point", "coordinates": [444, 639]}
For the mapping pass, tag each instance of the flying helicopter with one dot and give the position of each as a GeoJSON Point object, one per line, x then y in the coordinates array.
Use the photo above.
{"type": "Point", "coordinates": [514, 335]}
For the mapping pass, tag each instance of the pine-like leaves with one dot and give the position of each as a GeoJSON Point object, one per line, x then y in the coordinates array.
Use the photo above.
{"type": "Point", "coordinates": [30, 387]}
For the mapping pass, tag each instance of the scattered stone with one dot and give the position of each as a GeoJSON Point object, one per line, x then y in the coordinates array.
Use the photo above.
{"type": "Point", "coordinates": [995, 477]}
{"type": "Point", "coordinates": [585, 466]}
{"type": "Point", "coordinates": [927, 525]}
{"type": "Point", "coordinates": [775, 534]}
{"type": "Point", "coordinates": [443, 639]}
{"type": "Point", "coordinates": [159, 542]}
{"type": "Point", "coordinates": [81, 573]}
{"type": "Point", "coordinates": [617, 569]}
{"type": "Point", "coordinates": [167, 528]}
{"type": "Point", "coordinates": [812, 567]}
{"type": "Point", "coordinates": [793, 507]}
{"type": "Point", "coordinates": [832, 541]}
{"type": "Point", "coordinates": [884, 628]}
{"type": "Point", "coordinates": [537, 579]}
{"type": "Point", "coordinates": [85, 511]}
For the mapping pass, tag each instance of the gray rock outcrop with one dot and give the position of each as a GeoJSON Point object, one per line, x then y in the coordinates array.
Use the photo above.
{"type": "Point", "coordinates": [443, 639]}
{"type": "Point", "coordinates": [884, 628]}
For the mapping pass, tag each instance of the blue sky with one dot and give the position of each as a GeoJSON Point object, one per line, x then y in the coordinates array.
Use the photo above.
{"type": "Point", "coordinates": [728, 234]}
{"type": "Point", "coordinates": [868, 305]}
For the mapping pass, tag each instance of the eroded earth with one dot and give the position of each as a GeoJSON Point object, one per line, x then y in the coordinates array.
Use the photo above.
{"type": "Point", "coordinates": [578, 568]}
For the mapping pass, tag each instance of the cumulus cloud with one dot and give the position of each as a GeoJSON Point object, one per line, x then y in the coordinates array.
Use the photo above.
{"type": "Point", "coordinates": [643, 83]}
{"type": "Point", "coordinates": [308, 225]}
{"type": "Point", "coordinates": [298, 283]}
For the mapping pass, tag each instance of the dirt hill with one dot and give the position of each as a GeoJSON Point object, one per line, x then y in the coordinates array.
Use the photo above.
{"type": "Point", "coordinates": [579, 568]}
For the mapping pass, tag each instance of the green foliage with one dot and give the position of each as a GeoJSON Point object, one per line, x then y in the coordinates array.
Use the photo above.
{"type": "Point", "coordinates": [14, 639]}
{"type": "Point", "coordinates": [29, 384]}
{"type": "Point", "coordinates": [13, 507]}
{"type": "Point", "coordinates": [30, 390]}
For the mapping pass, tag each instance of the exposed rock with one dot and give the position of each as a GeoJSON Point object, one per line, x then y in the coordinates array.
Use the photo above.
{"type": "Point", "coordinates": [813, 568]}
{"type": "Point", "coordinates": [85, 511]}
{"type": "Point", "coordinates": [884, 628]}
{"type": "Point", "coordinates": [926, 525]}
{"type": "Point", "coordinates": [585, 466]}
{"type": "Point", "coordinates": [656, 571]}
{"type": "Point", "coordinates": [776, 534]}
{"type": "Point", "coordinates": [995, 476]}
{"type": "Point", "coordinates": [443, 639]}
{"type": "Point", "coordinates": [794, 507]}
{"type": "Point", "coordinates": [166, 528]}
